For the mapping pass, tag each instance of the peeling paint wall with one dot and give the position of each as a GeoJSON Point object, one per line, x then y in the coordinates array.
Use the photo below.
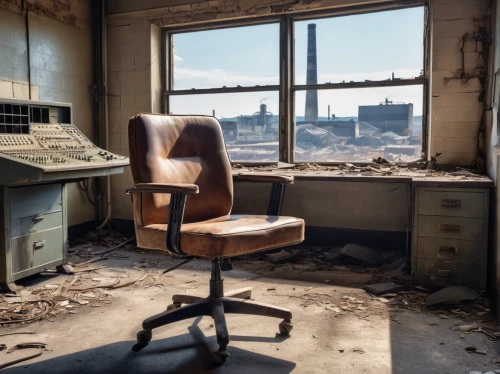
{"type": "Point", "coordinates": [456, 111]}
{"type": "Point", "coordinates": [76, 13]}
{"type": "Point", "coordinates": [60, 66]}
{"type": "Point", "coordinates": [187, 11]}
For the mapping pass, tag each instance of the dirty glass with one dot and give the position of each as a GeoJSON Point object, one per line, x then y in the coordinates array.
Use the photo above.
{"type": "Point", "coordinates": [249, 121]}
{"type": "Point", "coordinates": [357, 125]}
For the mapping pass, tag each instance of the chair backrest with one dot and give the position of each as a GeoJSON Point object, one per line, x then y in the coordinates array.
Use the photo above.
{"type": "Point", "coordinates": [180, 149]}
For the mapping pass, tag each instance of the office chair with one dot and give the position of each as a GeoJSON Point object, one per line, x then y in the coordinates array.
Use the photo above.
{"type": "Point", "coordinates": [182, 200]}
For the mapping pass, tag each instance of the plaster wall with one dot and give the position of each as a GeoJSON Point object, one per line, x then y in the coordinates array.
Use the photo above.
{"type": "Point", "coordinates": [60, 44]}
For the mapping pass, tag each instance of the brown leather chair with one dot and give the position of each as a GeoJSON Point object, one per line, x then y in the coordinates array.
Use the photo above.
{"type": "Point", "coordinates": [182, 200]}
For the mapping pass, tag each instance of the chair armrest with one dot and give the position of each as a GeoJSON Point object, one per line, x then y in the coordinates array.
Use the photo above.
{"type": "Point", "coordinates": [178, 192]}
{"type": "Point", "coordinates": [279, 182]}
{"type": "Point", "coordinates": [183, 188]}
{"type": "Point", "coordinates": [264, 177]}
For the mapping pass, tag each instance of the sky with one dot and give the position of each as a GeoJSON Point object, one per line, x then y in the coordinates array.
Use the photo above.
{"type": "Point", "coordinates": [349, 48]}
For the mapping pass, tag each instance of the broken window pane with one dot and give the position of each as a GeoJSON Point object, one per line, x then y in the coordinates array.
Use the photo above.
{"type": "Point", "coordinates": [236, 56]}
{"type": "Point", "coordinates": [249, 121]}
{"type": "Point", "coordinates": [374, 46]}
{"type": "Point", "coordinates": [357, 125]}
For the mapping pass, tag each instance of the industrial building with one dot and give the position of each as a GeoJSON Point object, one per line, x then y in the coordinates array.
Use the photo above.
{"type": "Point", "coordinates": [212, 186]}
{"type": "Point", "coordinates": [388, 116]}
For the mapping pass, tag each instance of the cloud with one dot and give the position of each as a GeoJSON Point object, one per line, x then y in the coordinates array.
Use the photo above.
{"type": "Point", "coordinates": [191, 78]}
{"type": "Point", "coordinates": [178, 58]}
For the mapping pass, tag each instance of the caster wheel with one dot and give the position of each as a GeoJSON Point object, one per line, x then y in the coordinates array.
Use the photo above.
{"type": "Point", "coordinates": [144, 337]}
{"type": "Point", "coordinates": [173, 306]}
{"type": "Point", "coordinates": [285, 327]}
{"type": "Point", "coordinates": [220, 357]}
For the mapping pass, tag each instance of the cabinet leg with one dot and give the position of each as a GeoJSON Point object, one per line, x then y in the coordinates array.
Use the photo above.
{"type": "Point", "coordinates": [8, 287]}
{"type": "Point", "coordinates": [65, 269]}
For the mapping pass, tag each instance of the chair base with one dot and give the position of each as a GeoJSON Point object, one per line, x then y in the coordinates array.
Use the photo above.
{"type": "Point", "coordinates": [217, 305]}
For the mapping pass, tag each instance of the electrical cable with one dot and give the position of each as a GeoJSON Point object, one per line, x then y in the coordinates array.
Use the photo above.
{"type": "Point", "coordinates": [114, 248]}
{"type": "Point", "coordinates": [178, 265]}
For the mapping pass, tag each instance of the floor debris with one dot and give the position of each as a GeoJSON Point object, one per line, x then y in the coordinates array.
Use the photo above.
{"type": "Point", "coordinates": [282, 256]}
{"type": "Point", "coordinates": [384, 288]}
{"type": "Point", "coordinates": [361, 254]}
{"type": "Point", "coordinates": [43, 302]}
{"type": "Point", "coordinates": [475, 350]}
{"type": "Point", "coordinates": [40, 347]}
{"type": "Point", "coordinates": [453, 294]}
{"type": "Point", "coordinates": [19, 333]}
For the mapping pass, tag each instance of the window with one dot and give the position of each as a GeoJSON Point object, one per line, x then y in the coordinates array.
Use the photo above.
{"type": "Point", "coordinates": [232, 74]}
{"type": "Point", "coordinates": [355, 91]}
{"type": "Point", "coordinates": [382, 53]}
{"type": "Point", "coordinates": [249, 136]}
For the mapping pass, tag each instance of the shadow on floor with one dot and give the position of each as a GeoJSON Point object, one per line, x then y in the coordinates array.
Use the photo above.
{"type": "Point", "coordinates": [188, 353]}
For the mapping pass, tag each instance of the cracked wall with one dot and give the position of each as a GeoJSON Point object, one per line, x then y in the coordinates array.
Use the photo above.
{"type": "Point", "coordinates": [456, 107]}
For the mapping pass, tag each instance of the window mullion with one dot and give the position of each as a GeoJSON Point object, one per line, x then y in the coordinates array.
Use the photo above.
{"type": "Point", "coordinates": [367, 84]}
{"type": "Point", "coordinates": [208, 91]}
{"type": "Point", "coordinates": [285, 122]}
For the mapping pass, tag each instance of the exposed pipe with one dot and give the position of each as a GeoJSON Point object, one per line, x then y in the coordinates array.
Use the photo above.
{"type": "Point", "coordinates": [28, 57]}
{"type": "Point", "coordinates": [105, 100]}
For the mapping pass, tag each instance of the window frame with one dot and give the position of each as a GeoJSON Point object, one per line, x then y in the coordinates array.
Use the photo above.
{"type": "Point", "coordinates": [286, 86]}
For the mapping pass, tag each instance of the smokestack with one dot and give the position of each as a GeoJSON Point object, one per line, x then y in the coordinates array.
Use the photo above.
{"type": "Point", "coordinates": [311, 113]}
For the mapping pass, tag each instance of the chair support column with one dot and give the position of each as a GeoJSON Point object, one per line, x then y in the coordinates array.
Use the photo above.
{"type": "Point", "coordinates": [216, 281]}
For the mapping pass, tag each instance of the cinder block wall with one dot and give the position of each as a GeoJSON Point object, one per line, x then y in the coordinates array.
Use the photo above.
{"type": "Point", "coordinates": [61, 67]}
{"type": "Point", "coordinates": [345, 205]}
{"type": "Point", "coordinates": [455, 111]}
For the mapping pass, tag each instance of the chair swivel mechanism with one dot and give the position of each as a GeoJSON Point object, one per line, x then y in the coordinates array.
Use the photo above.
{"type": "Point", "coordinates": [182, 199]}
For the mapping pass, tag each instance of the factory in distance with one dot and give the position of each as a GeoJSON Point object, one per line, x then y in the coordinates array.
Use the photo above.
{"type": "Point", "coordinates": [388, 129]}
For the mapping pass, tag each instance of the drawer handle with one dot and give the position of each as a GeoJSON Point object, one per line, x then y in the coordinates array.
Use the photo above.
{"type": "Point", "coordinates": [450, 203]}
{"type": "Point", "coordinates": [444, 248]}
{"type": "Point", "coordinates": [38, 218]}
{"type": "Point", "coordinates": [449, 227]}
{"type": "Point", "coordinates": [38, 245]}
{"type": "Point", "coordinates": [444, 273]}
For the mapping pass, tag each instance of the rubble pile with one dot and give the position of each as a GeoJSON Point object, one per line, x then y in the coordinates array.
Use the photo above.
{"type": "Point", "coordinates": [379, 167]}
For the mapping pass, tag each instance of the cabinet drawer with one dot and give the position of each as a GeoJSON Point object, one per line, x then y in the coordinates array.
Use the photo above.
{"type": "Point", "coordinates": [445, 273]}
{"type": "Point", "coordinates": [37, 249]}
{"type": "Point", "coordinates": [33, 224]}
{"type": "Point", "coordinates": [30, 201]}
{"type": "Point", "coordinates": [450, 227]}
{"type": "Point", "coordinates": [451, 203]}
{"type": "Point", "coordinates": [468, 251]}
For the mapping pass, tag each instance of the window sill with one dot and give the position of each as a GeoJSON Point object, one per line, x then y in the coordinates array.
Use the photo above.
{"type": "Point", "coordinates": [420, 179]}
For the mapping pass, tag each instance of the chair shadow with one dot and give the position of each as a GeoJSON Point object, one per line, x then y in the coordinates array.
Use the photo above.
{"type": "Point", "coordinates": [259, 339]}
{"type": "Point", "coordinates": [188, 353]}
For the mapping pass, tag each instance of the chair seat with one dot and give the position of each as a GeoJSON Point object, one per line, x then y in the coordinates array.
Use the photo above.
{"type": "Point", "coordinates": [228, 236]}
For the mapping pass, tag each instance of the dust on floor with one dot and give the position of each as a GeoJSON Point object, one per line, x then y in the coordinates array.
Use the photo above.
{"type": "Point", "coordinates": [88, 320]}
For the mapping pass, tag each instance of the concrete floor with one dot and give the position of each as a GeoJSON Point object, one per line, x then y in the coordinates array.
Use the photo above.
{"type": "Point", "coordinates": [376, 339]}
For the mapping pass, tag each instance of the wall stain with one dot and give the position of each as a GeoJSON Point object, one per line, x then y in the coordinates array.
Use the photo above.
{"type": "Point", "coordinates": [55, 9]}
{"type": "Point", "coordinates": [211, 11]}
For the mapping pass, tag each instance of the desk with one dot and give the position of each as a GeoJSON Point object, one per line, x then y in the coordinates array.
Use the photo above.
{"type": "Point", "coordinates": [307, 195]}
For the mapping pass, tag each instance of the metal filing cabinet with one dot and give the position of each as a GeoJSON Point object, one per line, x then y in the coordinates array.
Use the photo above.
{"type": "Point", "coordinates": [450, 236]}
{"type": "Point", "coordinates": [34, 238]}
